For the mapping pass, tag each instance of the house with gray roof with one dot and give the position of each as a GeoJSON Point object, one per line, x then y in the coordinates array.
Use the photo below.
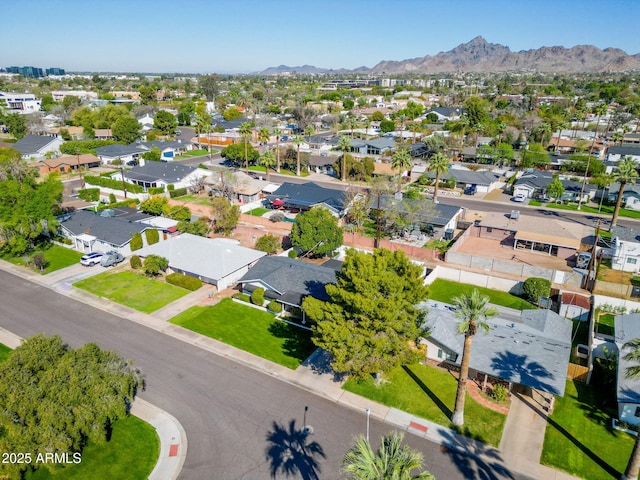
{"type": "Point", "coordinates": [100, 232]}
{"type": "Point", "coordinates": [625, 243]}
{"type": "Point", "coordinates": [445, 114]}
{"type": "Point", "coordinates": [534, 183]}
{"type": "Point", "coordinates": [133, 152]}
{"type": "Point", "coordinates": [532, 350]}
{"type": "Point", "coordinates": [483, 180]}
{"type": "Point", "coordinates": [161, 174]}
{"type": "Point", "coordinates": [307, 195]}
{"type": "Point", "coordinates": [630, 195]}
{"type": "Point", "coordinates": [36, 147]}
{"type": "Point", "coordinates": [627, 328]}
{"type": "Point", "coordinates": [375, 146]}
{"type": "Point", "coordinates": [615, 153]}
{"type": "Point", "coordinates": [217, 261]}
{"type": "Point", "coordinates": [289, 280]}
{"type": "Point", "coordinates": [424, 215]}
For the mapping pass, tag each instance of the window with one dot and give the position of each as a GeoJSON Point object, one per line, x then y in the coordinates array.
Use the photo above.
{"type": "Point", "coordinates": [632, 261]}
{"type": "Point", "coordinates": [440, 355]}
{"type": "Point", "coordinates": [489, 229]}
{"type": "Point", "coordinates": [637, 414]}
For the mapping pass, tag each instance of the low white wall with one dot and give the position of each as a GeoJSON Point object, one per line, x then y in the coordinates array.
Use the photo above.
{"type": "Point", "coordinates": [473, 278]}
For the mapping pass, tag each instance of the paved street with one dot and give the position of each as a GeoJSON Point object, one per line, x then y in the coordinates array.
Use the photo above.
{"type": "Point", "coordinates": [226, 408]}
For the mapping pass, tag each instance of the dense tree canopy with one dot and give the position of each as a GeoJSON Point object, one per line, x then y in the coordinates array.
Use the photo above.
{"type": "Point", "coordinates": [316, 232]}
{"type": "Point", "coordinates": [224, 215]}
{"type": "Point", "coordinates": [54, 398]}
{"type": "Point", "coordinates": [126, 129]}
{"type": "Point", "coordinates": [371, 321]}
{"type": "Point", "coordinates": [165, 122]}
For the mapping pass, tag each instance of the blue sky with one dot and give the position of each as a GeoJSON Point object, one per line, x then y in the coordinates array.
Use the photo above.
{"type": "Point", "coordinates": [199, 36]}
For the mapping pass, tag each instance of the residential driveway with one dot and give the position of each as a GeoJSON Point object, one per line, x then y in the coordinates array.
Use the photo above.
{"type": "Point", "coordinates": [72, 274]}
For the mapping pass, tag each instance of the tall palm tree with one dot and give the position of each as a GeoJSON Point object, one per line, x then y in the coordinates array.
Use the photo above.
{"type": "Point", "coordinates": [439, 163]}
{"type": "Point", "coordinates": [625, 172]}
{"type": "Point", "coordinates": [472, 309]}
{"type": "Point", "coordinates": [600, 109]}
{"type": "Point", "coordinates": [308, 131]}
{"type": "Point", "coordinates": [278, 133]}
{"type": "Point", "coordinates": [268, 160]}
{"type": "Point", "coordinates": [297, 141]}
{"type": "Point", "coordinates": [633, 355]}
{"type": "Point", "coordinates": [264, 135]}
{"type": "Point", "coordinates": [401, 161]}
{"type": "Point", "coordinates": [245, 133]}
{"type": "Point", "coordinates": [344, 144]}
{"type": "Point", "coordinates": [391, 461]}
{"type": "Point", "coordinates": [415, 127]}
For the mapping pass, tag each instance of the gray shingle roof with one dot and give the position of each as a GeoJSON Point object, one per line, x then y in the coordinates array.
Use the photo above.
{"type": "Point", "coordinates": [290, 278]}
{"type": "Point", "coordinates": [112, 230]}
{"type": "Point", "coordinates": [627, 327]}
{"type": "Point", "coordinates": [310, 194]}
{"type": "Point", "coordinates": [437, 214]}
{"type": "Point", "coordinates": [468, 176]}
{"type": "Point", "coordinates": [624, 150]}
{"type": "Point", "coordinates": [119, 150]}
{"type": "Point", "coordinates": [533, 351]}
{"type": "Point", "coordinates": [626, 234]}
{"type": "Point", "coordinates": [154, 171]}
{"type": "Point", "coordinates": [31, 144]}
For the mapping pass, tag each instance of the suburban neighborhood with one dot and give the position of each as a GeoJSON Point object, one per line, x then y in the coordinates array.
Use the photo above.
{"type": "Point", "coordinates": [300, 273]}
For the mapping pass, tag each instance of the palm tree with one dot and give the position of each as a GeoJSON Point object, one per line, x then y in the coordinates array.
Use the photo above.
{"type": "Point", "coordinates": [439, 163]}
{"type": "Point", "coordinates": [633, 355]}
{"type": "Point", "coordinates": [245, 132]}
{"type": "Point", "coordinates": [268, 160]}
{"type": "Point", "coordinates": [297, 141]}
{"type": "Point", "coordinates": [472, 309]}
{"type": "Point", "coordinates": [344, 144]}
{"type": "Point", "coordinates": [600, 109]}
{"type": "Point", "coordinates": [625, 172]}
{"type": "Point", "coordinates": [415, 127]}
{"type": "Point", "coordinates": [264, 135]}
{"type": "Point", "coordinates": [401, 160]}
{"type": "Point", "coordinates": [391, 461]}
{"type": "Point", "coordinates": [278, 133]}
{"type": "Point", "coordinates": [617, 137]}
{"type": "Point", "coordinates": [308, 131]}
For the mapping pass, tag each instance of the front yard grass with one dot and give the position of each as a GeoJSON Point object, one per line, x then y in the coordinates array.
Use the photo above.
{"type": "Point", "coordinates": [579, 438]}
{"type": "Point", "coordinates": [430, 393]}
{"type": "Point", "coordinates": [198, 200]}
{"type": "Point", "coordinates": [57, 257]}
{"type": "Point", "coordinates": [196, 153]}
{"type": "Point", "coordinates": [258, 212]}
{"type": "Point", "coordinates": [251, 330]}
{"type": "Point", "coordinates": [606, 323]}
{"type": "Point", "coordinates": [133, 290]}
{"type": "Point", "coordinates": [444, 291]}
{"type": "Point", "coordinates": [130, 454]}
{"type": "Point", "coordinates": [4, 352]}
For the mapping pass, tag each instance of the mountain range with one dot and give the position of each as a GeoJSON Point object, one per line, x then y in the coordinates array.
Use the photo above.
{"type": "Point", "coordinates": [478, 55]}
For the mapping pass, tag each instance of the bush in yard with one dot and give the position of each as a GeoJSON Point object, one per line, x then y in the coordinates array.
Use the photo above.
{"type": "Point", "coordinates": [293, 253]}
{"type": "Point", "coordinates": [499, 393]}
{"type": "Point", "coordinates": [171, 187]}
{"type": "Point", "coordinates": [39, 261]}
{"type": "Point", "coordinates": [277, 217]}
{"type": "Point", "coordinates": [112, 198]}
{"type": "Point", "coordinates": [268, 243]}
{"type": "Point", "coordinates": [153, 236]}
{"type": "Point", "coordinates": [275, 307]}
{"type": "Point", "coordinates": [257, 296]}
{"type": "Point", "coordinates": [135, 262]}
{"type": "Point", "coordinates": [154, 264]}
{"type": "Point", "coordinates": [534, 288]}
{"type": "Point", "coordinates": [136, 242]}
{"type": "Point", "coordinates": [184, 281]}
{"type": "Point", "coordinates": [89, 194]}
{"type": "Point", "coordinates": [156, 190]}
{"type": "Point", "coordinates": [243, 297]}
{"type": "Point", "coordinates": [178, 192]}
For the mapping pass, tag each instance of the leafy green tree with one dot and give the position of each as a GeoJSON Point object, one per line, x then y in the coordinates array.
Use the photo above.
{"type": "Point", "coordinates": [165, 122]}
{"type": "Point", "coordinates": [438, 163]}
{"type": "Point", "coordinates": [155, 205]}
{"type": "Point", "coordinates": [224, 215]}
{"type": "Point", "coordinates": [126, 129]}
{"type": "Point", "coordinates": [632, 349]}
{"type": "Point", "coordinates": [147, 95]}
{"type": "Point", "coordinates": [56, 399]}
{"type": "Point", "coordinates": [135, 262]}
{"type": "Point", "coordinates": [17, 125]}
{"type": "Point", "coordinates": [246, 132]}
{"type": "Point", "coordinates": [153, 155]}
{"type": "Point", "coordinates": [232, 113]}
{"type": "Point", "coordinates": [136, 242]}
{"type": "Point", "coordinates": [178, 212]}
{"type": "Point", "coordinates": [200, 227]}
{"type": "Point", "coordinates": [209, 85]}
{"type": "Point", "coordinates": [555, 189]}
{"type": "Point", "coordinates": [371, 323]}
{"type": "Point", "coordinates": [533, 288]}
{"type": "Point", "coordinates": [268, 243]}
{"type": "Point", "coordinates": [391, 461]}
{"type": "Point", "coordinates": [154, 264]}
{"type": "Point", "coordinates": [401, 160]}
{"type": "Point", "coordinates": [316, 232]}
{"type": "Point", "coordinates": [476, 110]}
{"type": "Point", "coordinates": [625, 172]}
{"type": "Point", "coordinates": [534, 156]}
{"type": "Point", "coordinates": [387, 126]}
{"type": "Point", "coordinates": [235, 152]}
{"type": "Point", "coordinates": [377, 116]}
{"type": "Point", "coordinates": [472, 309]}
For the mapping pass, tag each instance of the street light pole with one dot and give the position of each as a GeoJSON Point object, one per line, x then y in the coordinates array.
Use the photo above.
{"type": "Point", "coordinates": [368, 412]}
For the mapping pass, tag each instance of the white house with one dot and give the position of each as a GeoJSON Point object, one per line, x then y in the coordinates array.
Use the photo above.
{"type": "Point", "coordinates": [22, 103]}
{"type": "Point", "coordinates": [146, 122]}
{"type": "Point", "coordinates": [162, 174]}
{"type": "Point", "coordinates": [37, 147]}
{"type": "Point", "coordinates": [627, 328]}
{"type": "Point", "coordinates": [626, 249]}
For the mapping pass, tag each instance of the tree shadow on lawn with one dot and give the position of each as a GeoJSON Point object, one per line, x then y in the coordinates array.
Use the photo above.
{"type": "Point", "coordinates": [434, 398]}
{"type": "Point", "coordinates": [297, 341]}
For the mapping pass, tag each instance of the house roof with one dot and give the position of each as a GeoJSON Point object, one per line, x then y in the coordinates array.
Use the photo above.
{"type": "Point", "coordinates": [213, 258]}
{"type": "Point", "coordinates": [627, 328]}
{"type": "Point", "coordinates": [30, 144]}
{"type": "Point", "coordinates": [119, 150]}
{"type": "Point", "coordinates": [537, 179]}
{"type": "Point", "coordinates": [116, 231]}
{"type": "Point", "coordinates": [446, 111]}
{"type": "Point", "coordinates": [625, 234]}
{"type": "Point", "coordinates": [380, 143]}
{"type": "Point", "coordinates": [555, 231]}
{"type": "Point", "coordinates": [72, 160]}
{"type": "Point", "coordinates": [571, 298]}
{"type": "Point", "coordinates": [482, 177]}
{"type": "Point", "coordinates": [625, 150]}
{"type": "Point", "coordinates": [437, 214]}
{"type": "Point", "coordinates": [291, 278]}
{"type": "Point", "coordinates": [245, 184]}
{"type": "Point", "coordinates": [159, 171]}
{"type": "Point", "coordinates": [532, 351]}
{"type": "Point", "coordinates": [310, 194]}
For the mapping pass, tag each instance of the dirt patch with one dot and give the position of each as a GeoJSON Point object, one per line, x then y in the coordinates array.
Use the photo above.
{"type": "Point", "coordinates": [614, 276]}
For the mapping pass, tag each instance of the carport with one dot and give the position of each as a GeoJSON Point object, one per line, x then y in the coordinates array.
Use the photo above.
{"type": "Point", "coordinates": [542, 243]}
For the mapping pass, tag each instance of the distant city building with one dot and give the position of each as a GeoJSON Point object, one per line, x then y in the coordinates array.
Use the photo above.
{"type": "Point", "coordinates": [35, 72]}
{"type": "Point", "coordinates": [55, 71]}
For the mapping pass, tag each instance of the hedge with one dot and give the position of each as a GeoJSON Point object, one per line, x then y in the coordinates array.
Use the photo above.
{"type": "Point", "coordinates": [84, 146]}
{"type": "Point", "coordinates": [257, 296]}
{"type": "Point", "coordinates": [156, 190]}
{"type": "Point", "coordinates": [275, 307]}
{"type": "Point", "coordinates": [153, 236]}
{"type": "Point", "coordinates": [114, 184]}
{"type": "Point", "coordinates": [135, 262]}
{"type": "Point", "coordinates": [130, 202]}
{"type": "Point", "coordinates": [136, 242]}
{"type": "Point", "coordinates": [89, 194]}
{"type": "Point", "coordinates": [184, 281]}
{"type": "Point", "coordinates": [242, 297]}
{"type": "Point", "coordinates": [178, 192]}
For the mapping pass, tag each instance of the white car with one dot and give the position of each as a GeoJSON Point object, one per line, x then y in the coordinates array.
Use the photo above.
{"type": "Point", "coordinates": [521, 197]}
{"type": "Point", "coordinates": [91, 259]}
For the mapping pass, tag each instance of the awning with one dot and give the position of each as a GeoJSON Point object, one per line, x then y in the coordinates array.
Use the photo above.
{"type": "Point", "coordinates": [548, 239]}
{"type": "Point", "coordinates": [278, 202]}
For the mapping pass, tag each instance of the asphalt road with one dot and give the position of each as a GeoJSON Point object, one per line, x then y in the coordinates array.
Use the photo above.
{"type": "Point", "coordinates": [227, 410]}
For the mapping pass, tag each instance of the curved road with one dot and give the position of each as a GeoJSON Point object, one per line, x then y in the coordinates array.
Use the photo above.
{"type": "Point", "coordinates": [226, 408]}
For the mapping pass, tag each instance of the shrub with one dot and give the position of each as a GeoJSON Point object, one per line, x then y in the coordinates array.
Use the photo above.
{"type": "Point", "coordinates": [178, 192]}
{"type": "Point", "coordinates": [171, 187]}
{"type": "Point", "coordinates": [203, 166]}
{"type": "Point", "coordinates": [257, 296]}
{"type": "Point", "coordinates": [154, 264]}
{"type": "Point", "coordinates": [184, 281]}
{"type": "Point", "coordinates": [114, 184]}
{"type": "Point", "coordinates": [156, 190]}
{"type": "Point", "coordinates": [136, 242]}
{"type": "Point", "coordinates": [277, 217]}
{"type": "Point", "coordinates": [153, 236]}
{"type": "Point", "coordinates": [112, 198]}
{"type": "Point", "coordinates": [268, 243]}
{"type": "Point", "coordinates": [534, 288]}
{"type": "Point", "coordinates": [135, 262]}
{"type": "Point", "coordinates": [293, 253]}
{"type": "Point", "coordinates": [274, 306]}
{"type": "Point", "coordinates": [67, 241]}
{"type": "Point", "coordinates": [499, 393]}
{"type": "Point", "coordinates": [180, 213]}
{"type": "Point", "coordinates": [39, 261]}
{"type": "Point", "coordinates": [243, 297]}
{"type": "Point", "coordinates": [89, 194]}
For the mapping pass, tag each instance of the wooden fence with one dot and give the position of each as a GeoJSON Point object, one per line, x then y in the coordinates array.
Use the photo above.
{"type": "Point", "coordinates": [577, 372]}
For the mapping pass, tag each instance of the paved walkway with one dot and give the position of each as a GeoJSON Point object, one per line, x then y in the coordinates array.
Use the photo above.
{"type": "Point", "coordinates": [521, 444]}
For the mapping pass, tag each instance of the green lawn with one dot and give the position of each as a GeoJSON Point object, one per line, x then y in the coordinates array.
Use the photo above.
{"type": "Point", "coordinates": [133, 290]}
{"type": "Point", "coordinates": [606, 323]}
{"type": "Point", "coordinates": [195, 199]}
{"type": "Point", "coordinates": [258, 212]}
{"type": "Point", "coordinates": [131, 454]}
{"type": "Point", "coordinates": [604, 210]}
{"type": "Point", "coordinates": [4, 352]}
{"type": "Point", "coordinates": [430, 393]}
{"type": "Point", "coordinates": [196, 153]}
{"type": "Point", "coordinates": [57, 257]}
{"type": "Point", "coordinates": [535, 203]}
{"type": "Point", "coordinates": [444, 290]}
{"type": "Point", "coordinates": [252, 330]}
{"type": "Point", "coordinates": [579, 438]}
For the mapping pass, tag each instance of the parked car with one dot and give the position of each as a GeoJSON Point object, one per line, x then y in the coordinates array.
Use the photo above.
{"type": "Point", "coordinates": [91, 259]}
{"type": "Point", "coordinates": [111, 259]}
{"type": "Point", "coordinates": [583, 259]}
{"type": "Point", "coordinates": [521, 197]}
{"type": "Point", "coordinates": [470, 190]}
